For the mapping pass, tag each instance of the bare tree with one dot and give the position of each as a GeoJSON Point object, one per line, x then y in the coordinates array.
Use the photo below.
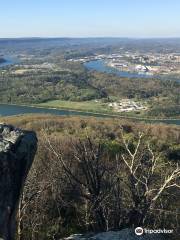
{"type": "Point", "coordinates": [90, 172]}
{"type": "Point", "coordinates": [83, 184]}
{"type": "Point", "coordinates": [149, 177]}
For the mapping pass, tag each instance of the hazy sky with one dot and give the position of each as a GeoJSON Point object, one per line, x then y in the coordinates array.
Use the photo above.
{"type": "Point", "coordinates": [89, 18]}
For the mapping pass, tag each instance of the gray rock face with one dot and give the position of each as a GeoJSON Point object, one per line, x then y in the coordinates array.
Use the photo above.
{"type": "Point", "coordinates": [125, 234]}
{"type": "Point", "coordinates": [17, 151]}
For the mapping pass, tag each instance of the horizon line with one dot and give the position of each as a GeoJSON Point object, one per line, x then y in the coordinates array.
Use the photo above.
{"type": "Point", "coordinates": [88, 37]}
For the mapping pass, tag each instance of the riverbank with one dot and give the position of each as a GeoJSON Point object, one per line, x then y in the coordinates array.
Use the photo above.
{"type": "Point", "coordinates": [14, 109]}
{"type": "Point", "coordinates": [105, 113]}
{"type": "Point", "coordinates": [102, 66]}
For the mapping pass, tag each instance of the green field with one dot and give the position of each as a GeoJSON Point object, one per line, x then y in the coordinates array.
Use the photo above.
{"type": "Point", "coordinates": [96, 107]}
{"type": "Point", "coordinates": [88, 106]}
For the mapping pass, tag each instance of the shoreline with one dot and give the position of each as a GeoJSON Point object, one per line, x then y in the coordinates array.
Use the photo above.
{"type": "Point", "coordinates": [98, 114]}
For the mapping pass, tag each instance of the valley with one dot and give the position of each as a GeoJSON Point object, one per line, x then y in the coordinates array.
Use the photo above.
{"type": "Point", "coordinates": [70, 78]}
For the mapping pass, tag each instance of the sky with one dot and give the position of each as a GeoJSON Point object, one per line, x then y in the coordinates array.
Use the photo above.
{"type": "Point", "coordinates": [90, 18]}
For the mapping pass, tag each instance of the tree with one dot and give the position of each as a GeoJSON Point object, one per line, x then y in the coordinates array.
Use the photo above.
{"type": "Point", "coordinates": [90, 160]}
{"type": "Point", "coordinates": [148, 175]}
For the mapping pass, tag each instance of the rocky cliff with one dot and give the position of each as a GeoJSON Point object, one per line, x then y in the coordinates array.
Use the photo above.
{"type": "Point", "coordinates": [17, 150]}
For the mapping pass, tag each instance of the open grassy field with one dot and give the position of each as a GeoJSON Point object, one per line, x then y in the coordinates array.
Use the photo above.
{"type": "Point", "coordinates": [98, 106]}
{"type": "Point", "coordinates": [88, 106]}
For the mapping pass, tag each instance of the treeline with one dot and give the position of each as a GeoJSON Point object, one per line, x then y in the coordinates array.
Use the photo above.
{"type": "Point", "coordinates": [72, 82]}
{"type": "Point", "coordinates": [99, 175]}
{"type": "Point", "coordinates": [40, 86]}
{"type": "Point", "coordinates": [165, 111]}
{"type": "Point", "coordinates": [136, 88]}
{"type": "Point", "coordinates": [162, 96]}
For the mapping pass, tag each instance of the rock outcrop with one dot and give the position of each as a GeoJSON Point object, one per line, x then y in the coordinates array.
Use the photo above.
{"type": "Point", "coordinates": [17, 151]}
{"type": "Point", "coordinates": [125, 234]}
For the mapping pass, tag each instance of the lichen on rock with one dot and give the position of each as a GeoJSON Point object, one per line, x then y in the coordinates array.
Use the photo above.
{"type": "Point", "coordinates": [17, 151]}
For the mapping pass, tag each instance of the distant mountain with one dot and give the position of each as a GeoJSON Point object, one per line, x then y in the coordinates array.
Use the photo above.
{"type": "Point", "coordinates": [30, 45]}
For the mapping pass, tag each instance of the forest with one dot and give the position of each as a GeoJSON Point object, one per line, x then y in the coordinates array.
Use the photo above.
{"type": "Point", "coordinates": [42, 74]}
{"type": "Point", "coordinates": [97, 175]}
{"type": "Point", "coordinates": [93, 174]}
{"type": "Point", "coordinates": [72, 82]}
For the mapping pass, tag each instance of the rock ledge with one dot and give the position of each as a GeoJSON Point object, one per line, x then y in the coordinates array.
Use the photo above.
{"type": "Point", "coordinates": [17, 151]}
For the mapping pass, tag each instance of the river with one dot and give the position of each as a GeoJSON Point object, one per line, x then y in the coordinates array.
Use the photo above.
{"type": "Point", "coordinates": [9, 61]}
{"type": "Point", "coordinates": [10, 110]}
{"type": "Point", "coordinates": [101, 66]}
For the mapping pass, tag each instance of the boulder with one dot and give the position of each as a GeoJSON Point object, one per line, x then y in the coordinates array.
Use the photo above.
{"type": "Point", "coordinates": [17, 151]}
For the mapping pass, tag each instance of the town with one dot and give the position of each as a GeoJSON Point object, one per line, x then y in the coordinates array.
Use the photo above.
{"type": "Point", "coordinates": [127, 105]}
{"type": "Point", "coordinates": [146, 63]}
